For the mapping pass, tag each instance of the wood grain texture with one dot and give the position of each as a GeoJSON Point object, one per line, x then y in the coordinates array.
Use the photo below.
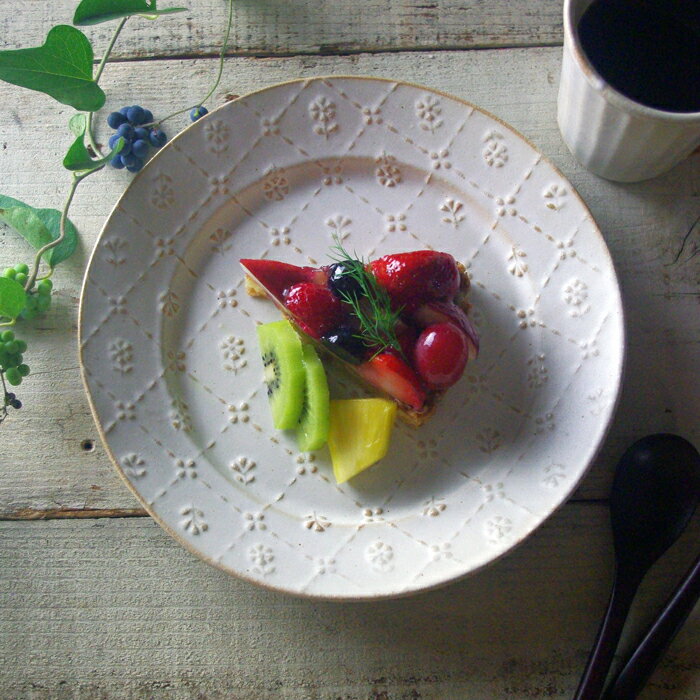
{"type": "Point", "coordinates": [97, 605]}
{"type": "Point", "coordinates": [43, 466]}
{"type": "Point", "coordinates": [115, 609]}
{"type": "Point", "coordinates": [274, 27]}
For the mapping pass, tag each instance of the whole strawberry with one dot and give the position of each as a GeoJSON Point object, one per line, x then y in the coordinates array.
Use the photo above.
{"type": "Point", "coordinates": [315, 308]}
{"type": "Point", "coordinates": [414, 278]}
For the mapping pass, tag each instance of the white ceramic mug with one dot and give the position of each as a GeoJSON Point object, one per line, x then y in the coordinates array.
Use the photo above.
{"type": "Point", "coordinates": [608, 133]}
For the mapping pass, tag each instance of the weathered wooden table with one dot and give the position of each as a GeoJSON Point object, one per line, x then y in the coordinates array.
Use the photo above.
{"type": "Point", "coordinates": [97, 601]}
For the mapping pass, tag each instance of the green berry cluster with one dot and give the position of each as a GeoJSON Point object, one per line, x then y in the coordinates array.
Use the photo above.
{"type": "Point", "coordinates": [18, 273]}
{"type": "Point", "coordinates": [38, 301]}
{"type": "Point", "coordinates": [11, 360]}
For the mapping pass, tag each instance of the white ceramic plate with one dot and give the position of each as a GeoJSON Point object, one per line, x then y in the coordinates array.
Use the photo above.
{"type": "Point", "coordinates": [169, 356]}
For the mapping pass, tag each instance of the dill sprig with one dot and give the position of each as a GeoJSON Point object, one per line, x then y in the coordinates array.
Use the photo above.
{"type": "Point", "coordinates": [371, 305]}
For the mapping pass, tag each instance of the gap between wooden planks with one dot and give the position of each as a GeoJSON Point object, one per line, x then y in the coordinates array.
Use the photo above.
{"type": "Point", "coordinates": [115, 608]}
{"type": "Point", "coordinates": [292, 27]}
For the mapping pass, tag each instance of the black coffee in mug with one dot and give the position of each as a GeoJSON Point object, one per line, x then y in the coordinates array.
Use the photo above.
{"type": "Point", "coordinates": [649, 50]}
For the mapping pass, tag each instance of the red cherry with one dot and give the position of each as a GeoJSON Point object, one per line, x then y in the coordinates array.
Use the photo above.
{"type": "Point", "coordinates": [441, 355]}
{"type": "Point", "coordinates": [448, 312]}
{"type": "Point", "coordinates": [316, 309]}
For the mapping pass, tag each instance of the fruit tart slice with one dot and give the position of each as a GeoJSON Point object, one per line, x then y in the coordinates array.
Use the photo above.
{"type": "Point", "coordinates": [399, 322]}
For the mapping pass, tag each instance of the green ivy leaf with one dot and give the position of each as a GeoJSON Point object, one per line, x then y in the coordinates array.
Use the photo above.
{"type": "Point", "coordinates": [66, 248]}
{"type": "Point", "coordinates": [96, 11]}
{"type": "Point", "coordinates": [28, 224]}
{"type": "Point", "coordinates": [47, 229]}
{"type": "Point", "coordinates": [78, 157]}
{"type": "Point", "coordinates": [61, 68]}
{"type": "Point", "coordinates": [13, 298]}
{"type": "Point", "coordinates": [78, 124]}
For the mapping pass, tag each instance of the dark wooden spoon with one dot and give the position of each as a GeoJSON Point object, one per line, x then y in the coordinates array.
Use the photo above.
{"type": "Point", "coordinates": [654, 494]}
{"type": "Point", "coordinates": [636, 672]}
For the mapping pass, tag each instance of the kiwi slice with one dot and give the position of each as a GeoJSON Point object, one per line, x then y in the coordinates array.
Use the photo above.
{"type": "Point", "coordinates": [314, 421]}
{"type": "Point", "coordinates": [281, 351]}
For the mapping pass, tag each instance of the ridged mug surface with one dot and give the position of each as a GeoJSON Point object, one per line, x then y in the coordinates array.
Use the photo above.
{"type": "Point", "coordinates": [609, 134]}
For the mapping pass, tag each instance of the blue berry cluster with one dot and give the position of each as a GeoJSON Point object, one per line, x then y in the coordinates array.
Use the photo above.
{"type": "Point", "coordinates": [12, 400]}
{"type": "Point", "coordinates": [134, 125]}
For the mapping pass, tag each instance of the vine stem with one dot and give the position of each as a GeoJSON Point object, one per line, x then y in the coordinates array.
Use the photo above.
{"type": "Point", "coordinates": [3, 407]}
{"type": "Point", "coordinates": [222, 56]}
{"type": "Point", "coordinates": [77, 178]}
{"type": "Point", "coordinates": [98, 75]}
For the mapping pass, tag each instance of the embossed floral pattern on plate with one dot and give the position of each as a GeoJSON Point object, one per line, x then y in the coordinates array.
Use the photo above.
{"type": "Point", "coordinates": [169, 351]}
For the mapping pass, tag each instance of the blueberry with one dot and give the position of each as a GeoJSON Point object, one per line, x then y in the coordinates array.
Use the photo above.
{"type": "Point", "coordinates": [136, 165]}
{"type": "Point", "coordinates": [141, 133]}
{"type": "Point", "coordinates": [198, 112]}
{"type": "Point", "coordinates": [157, 138]}
{"type": "Point", "coordinates": [128, 159]}
{"type": "Point", "coordinates": [135, 115]}
{"type": "Point", "coordinates": [116, 119]}
{"type": "Point", "coordinates": [344, 342]}
{"type": "Point", "coordinates": [147, 116]}
{"type": "Point", "coordinates": [126, 147]}
{"type": "Point", "coordinates": [140, 148]}
{"type": "Point", "coordinates": [16, 404]}
{"type": "Point", "coordinates": [10, 397]}
{"type": "Point", "coordinates": [340, 282]}
{"type": "Point", "coordinates": [124, 110]}
{"type": "Point", "coordinates": [113, 140]}
{"type": "Point", "coordinates": [116, 162]}
{"type": "Point", "coordinates": [126, 130]}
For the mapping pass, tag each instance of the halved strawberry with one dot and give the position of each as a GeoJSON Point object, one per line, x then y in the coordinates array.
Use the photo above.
{"type": "Point", "coordinates": [315, 308]}
{"type": "Point", "coordinates": [414, 278]}
{"type": "Point", "coordinates": [446, 312]}
{"type": "Point", "coordinates": [392, 375]}
{"type": "Point", "coordinates": [277, 276]}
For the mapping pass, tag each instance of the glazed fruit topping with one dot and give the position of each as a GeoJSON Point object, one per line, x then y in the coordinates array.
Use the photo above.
{"type": "Point", "coordinates": [391, 374]}
{"type": "Point", "coordinates": [400, 320]}
{"type": "Point", "coordinates": [447, 312]}
{"type": "Point", "coordinates": [345, 342]}
{"type": "Point", "coordinates": [441, 354]}
{"type": "Point", "coordinates": [407, 336]}
{"type": "Point", "coordinates": [277, 277]}
{"type": "Point", "coordinates": [341, 280]}
{"type": "Point", "coordinates": [414, 278]}
{"type": "Point", "coordinates": [316, 309]}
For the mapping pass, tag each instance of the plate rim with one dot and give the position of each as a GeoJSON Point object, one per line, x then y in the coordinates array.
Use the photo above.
{"type": "Point", "coordinates": [364, 597]}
